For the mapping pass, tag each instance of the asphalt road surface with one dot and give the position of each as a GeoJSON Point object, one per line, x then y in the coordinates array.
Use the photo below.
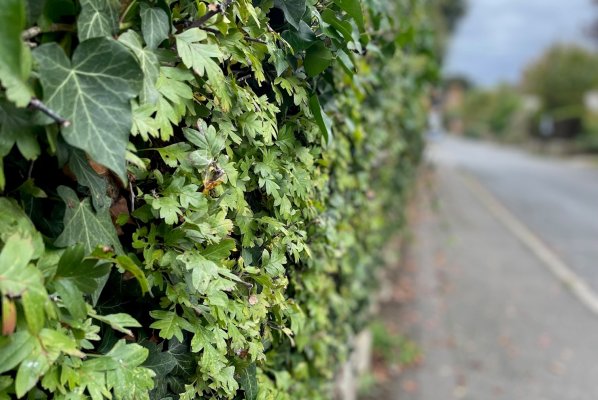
{"type": "Point", "coordinates": [505, 274]}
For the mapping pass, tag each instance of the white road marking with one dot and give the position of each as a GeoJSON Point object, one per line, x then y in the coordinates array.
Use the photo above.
{"type": "Point", "coordinates": [549, 258]}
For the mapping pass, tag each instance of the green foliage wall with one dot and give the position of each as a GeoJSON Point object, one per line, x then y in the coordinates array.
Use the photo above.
{"type": "Point", "coordinates": [195, 194]}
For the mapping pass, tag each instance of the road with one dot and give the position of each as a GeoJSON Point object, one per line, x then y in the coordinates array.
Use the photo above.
{"type": "Point", "coordinates": [504, 270]}
{"type": "Point", "coordinates": [557, 200]}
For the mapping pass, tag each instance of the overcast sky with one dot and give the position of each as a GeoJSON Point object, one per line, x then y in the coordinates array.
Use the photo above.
{"type": "Point", "coordinates": [498, 38]}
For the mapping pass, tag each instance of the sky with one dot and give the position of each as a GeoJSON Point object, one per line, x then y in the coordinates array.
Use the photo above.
{"type": "Point", "coordinates": [498, 38]}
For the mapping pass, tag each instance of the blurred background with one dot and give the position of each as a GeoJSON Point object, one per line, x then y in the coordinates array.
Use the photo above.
{"type": "Point", "coordinates": [524, 71]}
{"type": "Point", "coordinates": [497, 293]}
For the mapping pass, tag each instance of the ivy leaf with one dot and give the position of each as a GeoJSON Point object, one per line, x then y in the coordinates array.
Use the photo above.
{"type": "Point", "coordinates": [322, 120]}
{"type": "Point", "coordinates": [293, 10]}
{"type": "Point", "coordinates": [161, 362]}
{"type": "Point", "coordinates": [300, 39]}
{"type": "Point", "coordinates": [185, 362]}
{"type": "Point", "coordinates": [155, 25]}
{"type": "Point", "coordinates": [83, 225]}
{"type": "Point", "coordinates": [317, 59]}
{"type": "Point", "coordinates": [14, 65]}
{"type": "Point", "coordinates": [247, 379]}
{"type": "Point", "coordinates": [87, 177]}
{"type": "Point", "coordinates": [98, 18]}
{"type": "Point", "coordinates": [16, 127]}
{"type": "Point", "coordinates": [353, 8]}
{"type": "Point", "coordinates": [343, 27]}
{"type": "Point", "coordinates": [148, 61]}
{"type": "Point", "coordinates": [93, 92]}
{"type": "Point", "coordinates": [85, 274]}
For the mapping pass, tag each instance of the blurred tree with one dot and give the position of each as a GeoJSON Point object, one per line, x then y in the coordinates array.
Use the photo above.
{"type": "Point", "coordinates": [562, 77]}
{"type": "Point", "coordinates": [446, 15]}
{"type": "Point", "coordinates": [496, 113]}
{"type": "Point", "coordinates": [452, 11]}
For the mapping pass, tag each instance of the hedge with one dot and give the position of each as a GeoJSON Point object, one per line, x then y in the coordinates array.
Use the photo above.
{"type": "Point", "coordinates": [195, 194]}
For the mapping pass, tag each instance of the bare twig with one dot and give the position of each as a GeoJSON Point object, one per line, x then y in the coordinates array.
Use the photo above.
{"type": "Point", "coordinates": [217, 32]}
{"type": "Point", "coordinates": [31, 33]}
{"type": "Point", "coordinates": [214, 9]}
{"type": "Point", "coordinates": [36, 104]}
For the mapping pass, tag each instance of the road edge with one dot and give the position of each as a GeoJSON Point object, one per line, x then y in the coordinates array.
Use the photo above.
{"type": "Point", "coordinates": [578, 287]}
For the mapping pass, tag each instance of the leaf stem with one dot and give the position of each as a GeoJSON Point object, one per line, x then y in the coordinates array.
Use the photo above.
{"type": "Point", "coordinates": [36, 104]}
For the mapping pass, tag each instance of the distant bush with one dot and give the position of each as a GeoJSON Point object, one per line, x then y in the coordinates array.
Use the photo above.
{"type": "Point", "coordinates": [497, 113]}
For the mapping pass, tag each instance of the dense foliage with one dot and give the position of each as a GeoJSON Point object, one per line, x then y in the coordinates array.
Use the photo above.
{"type": "Point", "coordinates": [195, 193]}
{"type": "Point", "coordinates": [561, 77]}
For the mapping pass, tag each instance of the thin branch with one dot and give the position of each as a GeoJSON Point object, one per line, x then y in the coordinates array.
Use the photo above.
{"type": "Point", "coordinates": [215, 9]}
{"type": "Point", "coordinates": [250, 39]}
{"type": "Point", "coordinates": [31, 33]}
{"type": "Point", "coordinates": [218, 33]}
{"type": "Point", "coordinates": [36, 104]}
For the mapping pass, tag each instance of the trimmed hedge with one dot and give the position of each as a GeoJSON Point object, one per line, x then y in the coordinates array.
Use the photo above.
{"type": "Point", "coordinates": [195, 194]}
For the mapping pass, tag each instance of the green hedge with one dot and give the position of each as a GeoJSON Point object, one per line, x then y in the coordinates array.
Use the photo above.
{"type": "Point", "coordinates": [195, 194]}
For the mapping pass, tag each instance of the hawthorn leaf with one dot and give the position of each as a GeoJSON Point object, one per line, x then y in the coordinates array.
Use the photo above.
{"type": "Point", "coordinates": [31, 369]}
{"type": "Point", "coordinates": [84, 225]}
{"type": "Point", "coordinates": [56, 342]}
{"type": "Point", "coordinates": [98, 18]}
{"type": "Point", "coordinates": [128, 379]}
{"type": "Point", "coordinates": [88, 177]}
{"type": "Point", "coordinates": [293, 10]}
{"type": "Point", "coordinates": [93, 92]}
{"type": "Point", "coordinates": [322, 120]}
{"type": "Point", "coordinates": [155, 25]}
{"type": "Point", "coordinates": [16, 274]}
{"type": "Point", "coordinates": [198, 56]}
{"type": "Point", "coordinates": [119, 322]}
{"type": "Point", "coordinates": [72, 298]}
{"type": "Point", "coordinates": [126, 263]}
{"type": "Point", "coordinates": [317, 59]}
{"type": "Point", "coordinates": [170, 324]}
{"type": "Point", "coordinates": [14, 65]}
{"type": "Point", "coordinates": [15, 348]}
{"type": "Point", "coordinates": [220, 250]}
{"type": "Point", "coordinates": [13, 220]}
